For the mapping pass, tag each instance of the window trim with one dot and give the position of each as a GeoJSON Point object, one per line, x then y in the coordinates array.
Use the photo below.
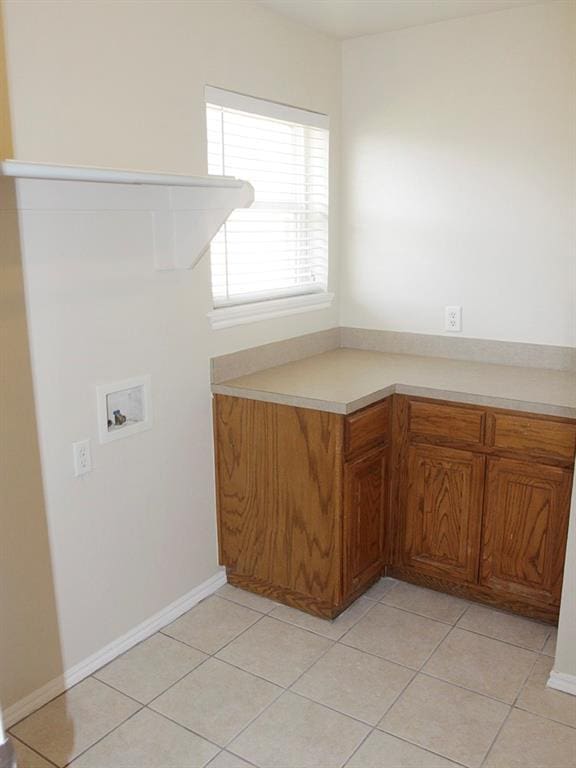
{"type": "Point", "coordinates": [242, 314]}
{"type": "Point", "coordinates": [264, 107]}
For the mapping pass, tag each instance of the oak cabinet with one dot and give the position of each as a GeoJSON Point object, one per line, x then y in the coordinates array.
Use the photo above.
{"type": "Point", "coordinates": [301, 497]}
{"type": "Point", "coordinates": [314, 506]}
{"type": "Point", "coordinates": [443, 511]}
{"type": "Point", "coordinates": [365, 502]}
{"type": "Point", "coordinates": [525, 529]}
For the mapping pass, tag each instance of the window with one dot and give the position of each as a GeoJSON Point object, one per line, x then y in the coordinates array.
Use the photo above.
{"type": "Point", "coordinates": [278, 247]}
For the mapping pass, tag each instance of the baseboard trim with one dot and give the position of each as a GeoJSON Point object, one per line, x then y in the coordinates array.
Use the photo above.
{"type": "Point", "coordinates": [562, 682]}
{"type": "Point", "coordinates": [75, 674]}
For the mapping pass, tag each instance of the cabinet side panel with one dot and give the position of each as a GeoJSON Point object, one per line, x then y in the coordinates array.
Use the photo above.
{"type": "Point", "coordinates": [247, 485]}
{"type": "Point", "coordinates": [310, 487]}
{"type": "Point", "coordinates": [279, 474]}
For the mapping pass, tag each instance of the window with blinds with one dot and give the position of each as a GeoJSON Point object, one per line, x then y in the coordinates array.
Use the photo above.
{"type": "Point", "coordinates": [279, 246]}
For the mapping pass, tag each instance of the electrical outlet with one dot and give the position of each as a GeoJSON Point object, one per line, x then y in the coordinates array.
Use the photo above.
{"type": "Point", "coordinates": [82, 458]}
{"type": "Point", "coordinates": [453, 319]}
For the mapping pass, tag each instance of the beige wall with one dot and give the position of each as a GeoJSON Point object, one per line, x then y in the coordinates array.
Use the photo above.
{"type": "Point", "coordinates": [121, 84]}
{"type": "Point", "coordinates": [5, 127]}
{"type": "Point", "coordinates": [460, 176]}
{"type": "Point", "coordinates": [27, 604]}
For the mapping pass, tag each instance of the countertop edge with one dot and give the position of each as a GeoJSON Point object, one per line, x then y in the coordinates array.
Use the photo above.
{"type": "Point", "coordinates": [471, 398]}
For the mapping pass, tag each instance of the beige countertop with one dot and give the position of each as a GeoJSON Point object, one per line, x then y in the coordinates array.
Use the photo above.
{"type": "Point", "coordinates": [344, 380]}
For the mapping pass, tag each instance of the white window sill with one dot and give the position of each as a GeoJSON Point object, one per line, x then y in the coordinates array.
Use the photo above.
{"type": "Point", "coordinates": [241, 314]}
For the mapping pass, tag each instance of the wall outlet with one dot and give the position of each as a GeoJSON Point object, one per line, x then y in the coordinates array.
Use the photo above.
{"type": "Point", "coordinates": [453, 319]}
{"type": "Point", "coordinates": [82, 457]}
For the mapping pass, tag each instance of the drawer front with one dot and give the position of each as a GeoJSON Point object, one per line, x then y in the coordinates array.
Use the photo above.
{"type": "Point", "coordinates": [446, 423]}
{"type": "Point", "coordinates": [367, 428]}
{"type": "Point", "coordinates": [530, 436]}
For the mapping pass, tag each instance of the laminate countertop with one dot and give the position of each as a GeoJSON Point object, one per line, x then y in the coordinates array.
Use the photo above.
{"type": "Point", "coordinates": [344, 380]}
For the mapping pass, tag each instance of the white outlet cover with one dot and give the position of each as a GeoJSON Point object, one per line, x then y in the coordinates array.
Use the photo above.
{"type": "Point", "coordinates": [453, 319]}
{"type": "Point", "coordinates": [82, 457]}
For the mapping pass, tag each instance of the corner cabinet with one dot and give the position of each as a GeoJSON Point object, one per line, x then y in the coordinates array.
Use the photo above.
{"type": "Point", "coordinates": [313, 507]}
{"type": "Point", "coordinates": [301, 500]}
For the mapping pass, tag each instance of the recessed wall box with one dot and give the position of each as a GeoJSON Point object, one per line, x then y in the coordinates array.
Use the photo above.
{"type": "Point", "coordinates": [124, 408]}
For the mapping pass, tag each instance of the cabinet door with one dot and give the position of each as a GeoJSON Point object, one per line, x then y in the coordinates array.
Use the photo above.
{"type": "Point", "coordinates": [525, 529]}
{"type": "Point", "coordinates": [443, 511]}
{"type": "Point", "coordinates": [364, 516]}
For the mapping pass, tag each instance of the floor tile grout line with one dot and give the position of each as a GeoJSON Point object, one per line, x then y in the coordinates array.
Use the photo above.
{"type": "Point", "coordinates": [221, 648]}
{"type": "Point", "coordinates": [469, 605]}
{"type": "Point", "coordinates": [456, 624]}
{"type": "Point", "coordinates": [359, 746]}
{"type": "Point", "coordinates": [320, 634]}
{"type": "Point", "coordinates": [226, 751]}
{"type": "Point", "coordinates": [464, 688]}
{"type": "Point", "coordinates": [32, 749]}
{"type": "Point", "coordinates": [243, 605]}
{"type": "Point", "coordinates": [186, 728]}
{"type": "Point", "coordinates": [215, 658]}
{"type": "Point", "coordinates": [512, 707]}
{"type": "Point", "coordinates": [498, 639]}
{"type": "Point", "coordinates": [543, 717]}
{"type": "Point", "coordinates": [20, 738]}
{"type": "Point", "coordinates": [425, 674]}
{"type": "Point", "coordinates": [104, 736]}
{"type": "Point", "coordinates": [426, 749]}
{"type": "Point", "coordinates": [93, 674]}
{"type": "Point", "coordinates": [151, 709]}
{"type": "Point", "coordinates": [117, 690]}
{"type": "Point", "coordinates": [375, 727]}
{"type": "Point", "coordinates": [251, 673]}
{"type": "Point", "coordinates": [496, 737]}
{"type": "Point", "coordinates": [284, 691]}
{"type": "Point", "coordinates": [424, 615]}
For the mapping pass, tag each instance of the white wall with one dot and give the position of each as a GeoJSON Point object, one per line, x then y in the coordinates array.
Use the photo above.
{"type": "Point", "coordinates": [121, 84]}
{"type": "Point", "coordinates": [565, 662]}
{"type": "Point", "coordinates": [459, 177]}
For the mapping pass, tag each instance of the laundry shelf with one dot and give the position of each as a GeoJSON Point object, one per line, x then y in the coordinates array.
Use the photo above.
{"type": "Point", "coordinates": [187, 211]}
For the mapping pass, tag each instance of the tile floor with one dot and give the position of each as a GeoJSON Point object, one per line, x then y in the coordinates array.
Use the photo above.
{"type": "Point", "coordinates": [405, 678]}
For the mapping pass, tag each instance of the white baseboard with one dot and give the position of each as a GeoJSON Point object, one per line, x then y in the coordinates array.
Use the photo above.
{"type": "Point", "coordinates": [562, 682]}
{"type": "Point", "coordinates": [85, 668]}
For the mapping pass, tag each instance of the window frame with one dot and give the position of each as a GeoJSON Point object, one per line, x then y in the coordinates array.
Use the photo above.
{"type": "Point", "coordinates": [261, 306]}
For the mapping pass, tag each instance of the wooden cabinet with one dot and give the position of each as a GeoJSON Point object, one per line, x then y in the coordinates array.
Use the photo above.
{"type": "Point", "coordinates": [313, 507]}
{"type": "Point", "coordinates": [488, 522]}
{"type": "Point", "coordinates": [525, 529]}
{"type": "Point", "coordinates": [365, 502]}
{"type": "Point", "coordinates": [443, 511]}
{"type": "Point", "coordinates": [279, 494]}
{"type": "Point", "coordinates": [287, 527]}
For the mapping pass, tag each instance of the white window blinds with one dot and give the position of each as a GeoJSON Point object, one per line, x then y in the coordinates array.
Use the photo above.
{"type": "Point", "coordinates": [279, 246]}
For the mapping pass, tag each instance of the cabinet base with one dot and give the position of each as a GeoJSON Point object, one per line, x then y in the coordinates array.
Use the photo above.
{"type": "Point", "coordinates": [306, 603]}
{"type": "Point", "coordinates": [477, 593]}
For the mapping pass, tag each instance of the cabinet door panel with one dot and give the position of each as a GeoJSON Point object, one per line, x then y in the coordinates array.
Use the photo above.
{"type": "Point", "coordinates": [443, 511]}
{"type": "Point", "coordinates": [525, 529]}
{"type": "Point", "coordinates": [365, 506]}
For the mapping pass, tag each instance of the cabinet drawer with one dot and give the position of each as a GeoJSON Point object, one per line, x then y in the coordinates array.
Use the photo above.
{"type": "Point", "coordinates": [446, 423]}
{"type": "Point", "coordinates": [367, 428]}
{"type": "Point", "coordinates": [530, 436]}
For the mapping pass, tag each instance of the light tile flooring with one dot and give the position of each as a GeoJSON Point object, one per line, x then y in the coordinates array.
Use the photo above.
{"type": "Point", "coordinates": [405, 678]}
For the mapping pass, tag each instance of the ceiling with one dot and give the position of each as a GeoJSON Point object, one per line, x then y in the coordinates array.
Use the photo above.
{"type": "Point", "coordinates": [352, 18]}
